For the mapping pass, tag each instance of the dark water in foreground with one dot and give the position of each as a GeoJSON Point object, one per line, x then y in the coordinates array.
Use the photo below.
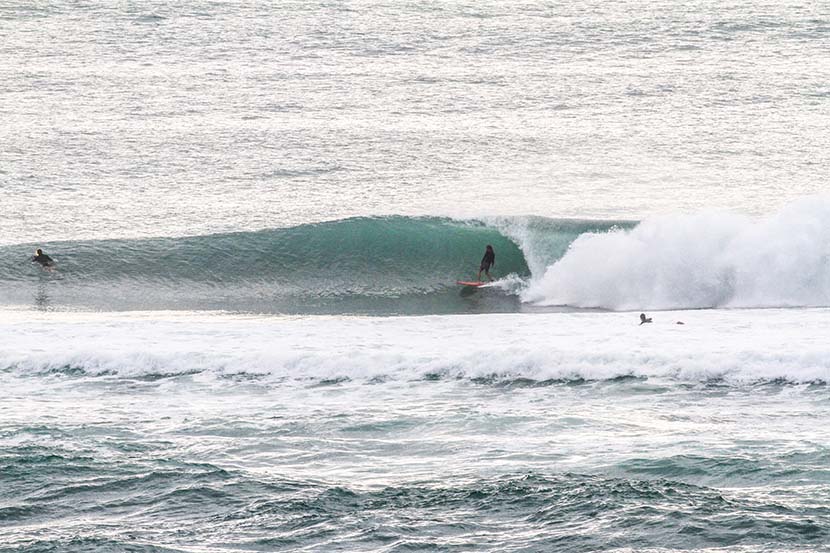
{"type": "Point", "coordinates": [166, 448]}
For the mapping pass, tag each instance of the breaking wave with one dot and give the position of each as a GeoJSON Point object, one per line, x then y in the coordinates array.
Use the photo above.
{"type": "Point", "coordinates": [361, 265]}
{"type": "Point", "coordinates": [701, 260]}
{"type": "Point", "coordinates": [409, 265]}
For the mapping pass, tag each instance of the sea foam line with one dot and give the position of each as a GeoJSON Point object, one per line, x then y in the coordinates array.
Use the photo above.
{"type": "Point", "coordinates": [733, 345]}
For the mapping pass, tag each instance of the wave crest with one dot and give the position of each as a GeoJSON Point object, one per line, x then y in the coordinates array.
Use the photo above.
{"type": "Point", "coordinates": [360, 265]}
{"type": "Point", "coordinates": [701, 260]}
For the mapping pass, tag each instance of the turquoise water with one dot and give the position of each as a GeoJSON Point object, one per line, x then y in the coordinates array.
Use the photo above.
{"type": "Point", "coordinates": [380, 265]}
{"type": "Point", "coordinates": [253, 340]}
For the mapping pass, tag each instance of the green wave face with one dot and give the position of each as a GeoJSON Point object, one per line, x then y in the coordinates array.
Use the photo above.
{"type": "Point", "coordinates": [361, 265]}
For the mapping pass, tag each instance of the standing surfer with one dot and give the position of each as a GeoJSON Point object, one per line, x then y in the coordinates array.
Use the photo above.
{"type": "Point", "coordinates": [487, 261]}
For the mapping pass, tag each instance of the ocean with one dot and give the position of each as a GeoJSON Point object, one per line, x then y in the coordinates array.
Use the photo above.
{"type": "Point", "coordinates": [253, 339]}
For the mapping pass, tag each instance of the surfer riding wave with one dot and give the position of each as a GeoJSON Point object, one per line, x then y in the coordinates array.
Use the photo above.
{"type": "Point", "coordinates": [487, 261]}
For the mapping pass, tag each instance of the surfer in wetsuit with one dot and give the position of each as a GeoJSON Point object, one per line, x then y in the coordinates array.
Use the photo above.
{"type": "Point", "coordinates": [487, 261]}
{"type": "Point", "coordinates": [42, 258]}
{"type": "Point", "coordinates": [644, 319]}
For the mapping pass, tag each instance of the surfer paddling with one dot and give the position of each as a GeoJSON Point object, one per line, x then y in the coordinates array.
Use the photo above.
{"type": "Point", "coordinates": [487, 261]}
{"type": "Point", "coordinates": [42, 259]}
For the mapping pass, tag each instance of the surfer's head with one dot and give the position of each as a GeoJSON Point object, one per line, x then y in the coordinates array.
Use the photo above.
{"type": "Point", "coordinates": [489, 248]}
{"type": "Point", "coordinates": [39, 251]}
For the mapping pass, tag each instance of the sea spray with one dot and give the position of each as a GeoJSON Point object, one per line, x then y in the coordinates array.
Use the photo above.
{"type": "Point", "coordinates": [409, 265]}
{"type": "Point", "coordinates": [700, 260]}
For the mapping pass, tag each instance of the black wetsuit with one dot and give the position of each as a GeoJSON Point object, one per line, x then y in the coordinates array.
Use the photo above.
{"type": "Point", "coordinates": [43, 259]}
{"type": "Point", "coordinates": [488, 260]}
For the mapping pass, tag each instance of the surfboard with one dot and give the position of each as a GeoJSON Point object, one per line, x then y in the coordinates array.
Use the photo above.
{"type": "Point", "coordinates": [473, 284]}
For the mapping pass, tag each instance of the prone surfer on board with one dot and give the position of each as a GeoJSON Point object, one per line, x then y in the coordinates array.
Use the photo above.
{"type": "Point", "coordinates": [487, 261]}
{"type": "Point", "coordinates": [42, 258]}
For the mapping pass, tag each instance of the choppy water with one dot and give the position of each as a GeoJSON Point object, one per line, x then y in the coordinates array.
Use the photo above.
{"type": "Point", "coordinates": [572, 432]}
{"type": "Point", "coordinates": [228, 188]}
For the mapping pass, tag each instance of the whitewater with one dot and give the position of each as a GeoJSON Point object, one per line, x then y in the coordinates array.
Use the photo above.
{"type": "Point", "coordinates": [253, 339]}
{"type": "Point", "coordinates": [404, 265]}
{"type": "Point", "coordinates": [777, 345]}
{"type": "Point", "coordinates": [310, 388]}
{"type": "Point", "coordinates": [156, 431]}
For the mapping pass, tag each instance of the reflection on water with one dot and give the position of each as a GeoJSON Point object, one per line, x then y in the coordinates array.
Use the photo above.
{"type": "Point", "coordinates": [42, 297]}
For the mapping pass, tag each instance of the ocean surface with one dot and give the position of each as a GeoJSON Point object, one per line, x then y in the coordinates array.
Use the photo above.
{"type": "Point", "coordinates": [252, 338]}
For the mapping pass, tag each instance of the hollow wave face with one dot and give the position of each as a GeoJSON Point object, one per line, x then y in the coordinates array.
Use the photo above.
{"type": "Point", "coordinates": [405, 265]}
{"type": "Point", "coordinates": [702, 260]}
{"type": "Point", "coordinates": [410, 265]}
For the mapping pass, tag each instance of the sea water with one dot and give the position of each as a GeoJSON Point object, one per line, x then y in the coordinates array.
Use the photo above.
{"type": "Point", "coordinates": [253, 341]}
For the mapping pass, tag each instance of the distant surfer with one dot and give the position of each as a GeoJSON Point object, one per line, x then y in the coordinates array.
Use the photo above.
{"type": "Point", "coordinates": [644, 319]}
{"type": "Point", "coordinates": [44, 260]}
{"type": "Point", "coordinates": [487, 261]}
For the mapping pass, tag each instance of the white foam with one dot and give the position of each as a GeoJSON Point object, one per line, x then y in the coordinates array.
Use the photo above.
{"type": "Point", "coordinates": [698, 261]}
{"type": "Point", "coordinates": [737, 346]}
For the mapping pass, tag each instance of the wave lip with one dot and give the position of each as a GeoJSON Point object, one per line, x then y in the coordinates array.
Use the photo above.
{"type": "Point", "coordinates": [409, 265]}
{"type": "Point", "coordinates": [360, 265]}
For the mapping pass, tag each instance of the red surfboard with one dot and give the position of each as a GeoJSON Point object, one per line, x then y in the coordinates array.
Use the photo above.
{"type": "Point", "coordinates": [473, 284]}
